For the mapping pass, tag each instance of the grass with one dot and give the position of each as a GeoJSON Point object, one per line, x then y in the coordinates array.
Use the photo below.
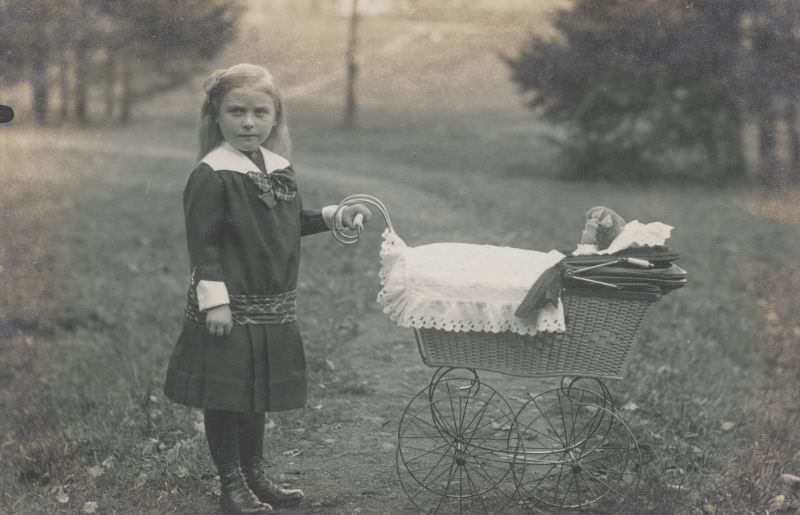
{"type": "Point", "coordinates": [94, 271]}
{"type": "Point", "coordinates": [82, 403]}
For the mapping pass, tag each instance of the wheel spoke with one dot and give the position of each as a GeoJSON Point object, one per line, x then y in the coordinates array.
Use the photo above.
{"type": "Point", "coordinates": [425, 452]}
{"type": "Point", "coordinates": [419, 419]}
{"type": "Point", "coordinates": [441, 458]}
{"type": "Point", "coordinates": [566, 494]}
{"type": "Point", "coordinates": [477, 492]}
{"type": "Point", "coordinates": [555, 431]}
{"type": "Point", "coordinates": [608, 486]}
{"type": "Point", "coordinates": [578, 489]}
{"type": "Point", "coordinates": [452, 411]}
{"type": "Point", "coordinates": [567, 439]}
{"type": "Point", "coordinates": [449, 483]}
{"type": "Point", "coordinates": [481, 412]}
{"type": "Point", "coordinates": [530, 428]}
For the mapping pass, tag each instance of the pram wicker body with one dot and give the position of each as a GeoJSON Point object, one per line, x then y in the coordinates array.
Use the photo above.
{"type": "Point", "coordinates": [601, 331]}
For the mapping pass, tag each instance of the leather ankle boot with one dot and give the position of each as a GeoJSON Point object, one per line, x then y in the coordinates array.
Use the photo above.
{"type": "Point", "coordinates": [265, 489]}
{"type": "Point", "coordinates": [237, 498]}
{"type": "Point", "coordinates": [222, 433]}
{"type": "Point", "coordinates": [251, 450]}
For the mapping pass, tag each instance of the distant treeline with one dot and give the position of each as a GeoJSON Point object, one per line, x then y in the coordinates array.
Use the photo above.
{"type": "Point", "coordinates": [122, 51]}
{"type": "Point", "coordinates": [670, 86]}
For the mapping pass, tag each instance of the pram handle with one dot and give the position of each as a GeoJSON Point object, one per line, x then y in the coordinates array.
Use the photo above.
{"type": "Point", "coordinates": [347, 236]}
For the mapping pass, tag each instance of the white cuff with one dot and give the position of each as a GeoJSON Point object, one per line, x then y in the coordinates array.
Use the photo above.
{"type": "Point", "coordinates": [211, 294]}
{"type": "Point", "coordinates": [327, 214]}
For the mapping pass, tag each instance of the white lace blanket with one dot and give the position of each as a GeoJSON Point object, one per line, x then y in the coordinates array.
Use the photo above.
{"type": "Point", "coordinates": [462, 287]}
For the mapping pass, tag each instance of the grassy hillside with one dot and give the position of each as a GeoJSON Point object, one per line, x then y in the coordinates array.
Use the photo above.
{"type": "Point", "coordinates": [94, 270]}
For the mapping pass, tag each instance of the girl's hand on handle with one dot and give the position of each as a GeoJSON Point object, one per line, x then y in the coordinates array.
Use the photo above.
{"type": "Point", "coordinates": [356, 216]}
{"type": "Point", "coordinates": [219, 320]}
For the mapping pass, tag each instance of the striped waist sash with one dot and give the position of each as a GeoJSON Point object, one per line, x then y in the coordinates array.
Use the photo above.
{"type": "Point", "coordinates": [276, 309]}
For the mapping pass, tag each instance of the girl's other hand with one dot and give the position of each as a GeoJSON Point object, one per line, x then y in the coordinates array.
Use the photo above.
{"type": "Point", "coordinates": [219, 320]}
{"type": "Point", "coordinates": [349, 214]}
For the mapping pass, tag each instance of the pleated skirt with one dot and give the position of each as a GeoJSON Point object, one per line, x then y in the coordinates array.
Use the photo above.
{"type": "Point", "coordinates": [256, 368]}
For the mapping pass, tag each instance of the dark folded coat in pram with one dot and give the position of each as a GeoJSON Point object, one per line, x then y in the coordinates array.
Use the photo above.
{"type": "Point", "coordinates": [646, 272]}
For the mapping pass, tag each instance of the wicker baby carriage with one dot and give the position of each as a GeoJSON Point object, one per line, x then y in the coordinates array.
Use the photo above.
{"type": "Point", "coordinates": [461, 446]}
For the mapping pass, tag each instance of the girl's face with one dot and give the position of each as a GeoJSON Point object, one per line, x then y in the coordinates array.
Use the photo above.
{"type": "Point", "coordinates": [246, 117]}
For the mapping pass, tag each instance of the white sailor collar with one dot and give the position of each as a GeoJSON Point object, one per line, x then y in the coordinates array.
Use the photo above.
{"type": "Point", "coordinates": [228, 157]}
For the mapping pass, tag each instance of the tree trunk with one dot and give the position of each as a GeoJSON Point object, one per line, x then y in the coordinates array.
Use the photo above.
{"type": "Point", "coordinates": [126, 99]}
{"type": "Point", "coordinates": [110, 82]}
{"type": "Point", "coordinates": [63, 84]}
{"type": "Point", "coordinates": [768, 169]}
{"type": "Point", "coordinates": [81, 84]}
{"type": "Point", "coordinates": [352, 69]}
{"type": "Point", "coordinates": [734, 163]}
{"type": "Point", "coordinates": [40, 86]}
{"type": "Point", "coordinates": [790, 117]}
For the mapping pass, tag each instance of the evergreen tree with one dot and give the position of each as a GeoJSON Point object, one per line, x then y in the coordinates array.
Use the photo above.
{"type": "Point", "coordinates": [646, 86]}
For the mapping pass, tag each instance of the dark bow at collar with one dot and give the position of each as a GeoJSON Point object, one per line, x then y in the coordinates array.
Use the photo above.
{"type": "Point", "coordinates": [275, 186]}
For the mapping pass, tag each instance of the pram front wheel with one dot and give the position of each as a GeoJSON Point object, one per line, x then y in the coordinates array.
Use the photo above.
{"type": "Point", "coordinates": [574, 452]}
{"type": "Point", "coordinates": [454, 447]}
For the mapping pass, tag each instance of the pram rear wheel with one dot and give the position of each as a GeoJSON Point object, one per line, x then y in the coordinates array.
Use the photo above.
{"type": "Point", "coordinates": [574, 453]}
{"type": "Point", "coordinates": [453, 448]}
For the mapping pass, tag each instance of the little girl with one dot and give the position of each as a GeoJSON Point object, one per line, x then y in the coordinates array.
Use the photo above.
{"type": "Point", "coordinates": [240, 353]}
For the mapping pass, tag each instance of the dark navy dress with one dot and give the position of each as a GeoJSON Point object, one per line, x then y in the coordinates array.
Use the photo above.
{"type": "Point", "coordinates": [244, 246]}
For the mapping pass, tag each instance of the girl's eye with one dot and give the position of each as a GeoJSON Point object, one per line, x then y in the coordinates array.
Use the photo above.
{"type": "Point", "coordinates": [262, 112]}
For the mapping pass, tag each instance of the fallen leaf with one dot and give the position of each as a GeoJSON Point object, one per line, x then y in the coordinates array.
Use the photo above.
{"type": "Point", "coordinates": [61, 496]}
{"type": "Point", "coordinates": [89, 507]}
{"type": "Point", "coordinates": [630, 406]}
{"type": "Point", "coordinates": [777, 503]}
{"type": "Point", "coordinates": [790, 478]}
{"type": "Point", "coordinates": [329, 364]}
{"type": "Point", "coordinates": [727, 426]}
{"type": "Point", "coordinates": [140, 481]}
{"type": "Point", "coordinates": [108, 462]}
{"type": "Point", "coordinates": [182, 472]}
{"type": "Point", "coordinates": [292, 452]}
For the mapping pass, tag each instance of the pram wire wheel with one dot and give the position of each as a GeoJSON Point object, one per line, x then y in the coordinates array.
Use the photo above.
{"type": "Point", "coordinates": [574, 452]}
{"type": "Point", "coordinates": [453, 447]}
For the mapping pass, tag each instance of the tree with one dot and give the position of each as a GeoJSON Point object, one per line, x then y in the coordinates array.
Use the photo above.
{"type": "Point", "coordinates": [158, 46]}
{"type": "Point", "coordinates": [770, 78]}
{"type": "Point", "coordinates": [25, 28]}
{"type": "Point", "coordinates": [134, 48]}
{"type": "Point", "coordinates": [646, 85]}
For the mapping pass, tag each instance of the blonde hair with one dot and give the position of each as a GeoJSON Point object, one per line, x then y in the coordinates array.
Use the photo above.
{"type": "Point", "coordinates": [219, 83]}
